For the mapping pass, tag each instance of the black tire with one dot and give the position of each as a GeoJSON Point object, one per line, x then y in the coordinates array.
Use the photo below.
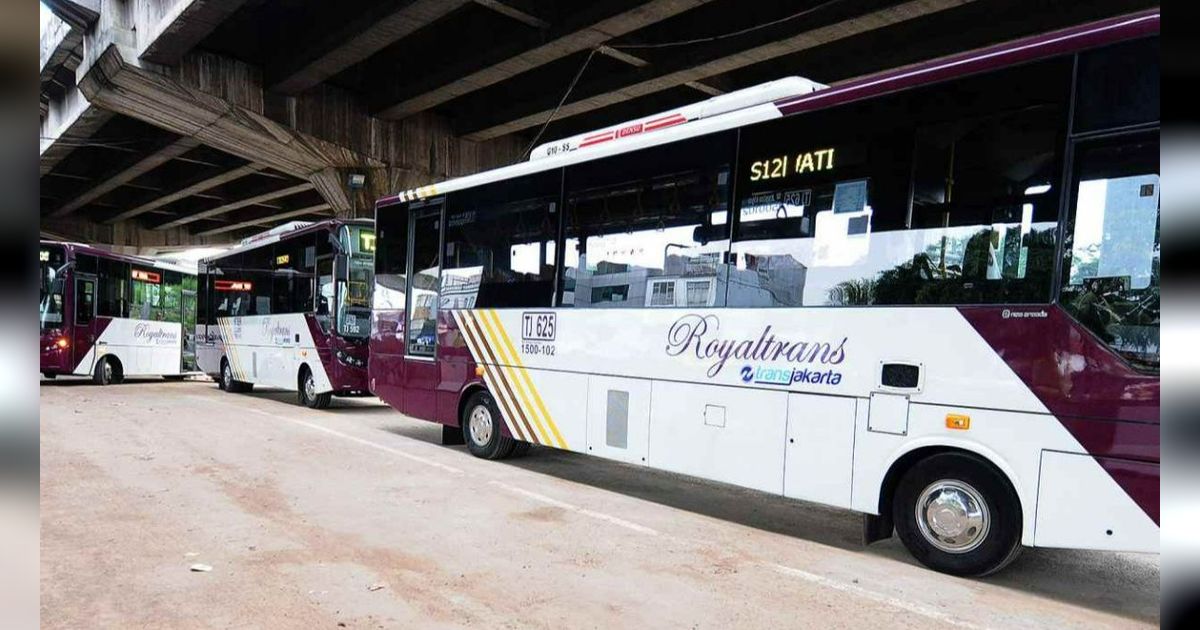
{"type": "Point", "coordinates": [49, 376]}
{"type": "Point", "coordinates": [961, 546]}
{"type": "Point", "coordinates": [485, 440]}
{"type": "Point", "coordinates": [106, 372]}
{"type": "Point", "coordinates": [228, 383]}
{"type": "Point", "coordinates": [307, 395]}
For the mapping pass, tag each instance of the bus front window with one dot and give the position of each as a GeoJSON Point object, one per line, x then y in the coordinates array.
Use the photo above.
{"type": "Point", "coordinates": [354, 291]}
{"type": "Point", "coordinates": [51, 268]}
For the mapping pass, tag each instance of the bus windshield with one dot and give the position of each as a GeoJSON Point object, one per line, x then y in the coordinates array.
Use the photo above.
{"type": "Point", "coordinates": [51, 269]}
{"type": "Point", "coordinates": [354, 294]}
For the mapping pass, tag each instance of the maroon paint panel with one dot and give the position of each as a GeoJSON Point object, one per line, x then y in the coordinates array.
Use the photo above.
{"type": "Point", "coordinates": [1071, 371]}
{"type": "Point", "coordinates": [343, 378]}
{"type": "Point", "coordinates": [1140, 480]}
{"type": "Point", "coordinates": [1005, 55]}
{"type": "Point", "coordinates": [1104, 403]}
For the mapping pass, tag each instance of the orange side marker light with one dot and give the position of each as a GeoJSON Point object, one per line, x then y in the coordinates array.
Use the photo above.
{"type": "Point", "coordinates": [958, 421]}
{"type": "Point", "coordinates": [479, 371]}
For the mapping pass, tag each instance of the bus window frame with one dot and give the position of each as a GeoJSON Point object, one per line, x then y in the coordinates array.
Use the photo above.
{"type": "Point", "coordinates": [423, 209]}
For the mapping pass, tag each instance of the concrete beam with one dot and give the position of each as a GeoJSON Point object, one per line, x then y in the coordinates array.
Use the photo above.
{"type": "Point", "coordinates": [69, 122]}
{"type": "Point", "coordinates": [184, 25]}
{"type": "Point", "coordinates": [521, 56]}
{"type": "Point", "coordinates": [118, 85]}
{"type": "Point", "coordinates": [356, 39]}
{"type": "Point", "coordinates": [508, 10]}
{"type": "Point", "coordinates": [111, 183]}
{"type": "Point", "coordinates": [319, 208]}
{"type": "Point", "coordinates": [81, 14]}
{"type": "Point", "coordinates": [234, 205]}
{"type": "Point", "coordinates": [211, 182]}
{"type": "Point", "coordinates": [605, 92]}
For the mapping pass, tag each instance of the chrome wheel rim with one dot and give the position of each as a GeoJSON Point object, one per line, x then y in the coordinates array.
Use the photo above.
{"type": "Point", "coordinates": [952, 516]}
{"type": "Point", "coordinates": [310, 387]}
{"type": "Point", "coordinates": [227, 374]}
{"type": "Point", "coordinates": [479, 425]}
{"type": "Point", "coordinates": [108, 371]}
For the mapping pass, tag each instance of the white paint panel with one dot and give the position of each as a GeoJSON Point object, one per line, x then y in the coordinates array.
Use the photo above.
{"type": "Point", "coordinates": [1079, 504]}
{"type": "Point", "coordinates": [638, 417]}
{"type": "Point", "coordinates": [889, 413]}
{"type": "Point", "coordinates": [562, 391]}
{"type": "Point", "coordinates": [144, 347]}
{"type": "Point", "coordinates": [748, 451]}
{"type": "Point", "coordinates": [820, 448]}
{"type": "Point", "coordinates": [263, 350]}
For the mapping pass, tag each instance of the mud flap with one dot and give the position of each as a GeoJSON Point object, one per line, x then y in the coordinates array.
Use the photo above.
{"type": "Point", "coordinates": [876, 528]}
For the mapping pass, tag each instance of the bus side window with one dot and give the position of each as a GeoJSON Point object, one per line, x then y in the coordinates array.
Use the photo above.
{"type": "Point", "coordinates": [649, 229]}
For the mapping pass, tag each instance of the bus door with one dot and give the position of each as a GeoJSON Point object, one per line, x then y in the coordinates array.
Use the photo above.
{"type": "Point", "coordinates": [84, 317]}
{"type": "Point", "coordinates": [421, 371]}
{"type": "Point", "coordinates": [187, 362]}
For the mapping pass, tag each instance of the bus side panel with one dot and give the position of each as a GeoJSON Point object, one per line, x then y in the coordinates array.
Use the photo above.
{"type": "Point", "coordinates": [143, 347]}
{"type": "Point", "coordinates": [268, 350]}
{"type": "Point", "coordinates": [1079, 506]}
{"type": "Point", "coordinates": [722, 433]}
{"type": "Point", "coordinates": [209, 349]}
{"type": "Point", "coordinates": [820, 448]}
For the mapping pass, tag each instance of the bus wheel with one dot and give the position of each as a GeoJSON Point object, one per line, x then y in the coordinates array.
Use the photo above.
{"type": "Point", "coordinates": [107, 372]}
{"type": "Point", "coordinates": [481, 428]}
{"type": "Point", "coordinates": [957, 514]}
{"type": "Point", "coordinates": [228, 383]}
{"type": "Point", "coordinates": [308, 391]}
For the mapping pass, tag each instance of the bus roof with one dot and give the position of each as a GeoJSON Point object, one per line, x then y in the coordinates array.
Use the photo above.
{"type": "Point", "coordinates": [287, 230]}
{"type": "Point", "coordinates": [145, 261]}
{"type": "Point", "coordinates": [676, 125]}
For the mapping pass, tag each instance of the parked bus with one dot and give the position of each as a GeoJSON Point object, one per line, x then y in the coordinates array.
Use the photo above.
{"type": "Point", "coordinates": [930, 296]}
{"type": "Point", "coordinates": [110, 316]}
{"type": "Point", "coordinates": [290, 308]}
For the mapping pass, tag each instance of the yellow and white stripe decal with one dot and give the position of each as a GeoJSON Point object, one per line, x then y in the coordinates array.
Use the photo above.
{"type": "Point", "coordinates": [492, 348]}
{"type": "Point", "coordinates": [418, 193]}
{"type": "Point", "coordinates": [235, 364]}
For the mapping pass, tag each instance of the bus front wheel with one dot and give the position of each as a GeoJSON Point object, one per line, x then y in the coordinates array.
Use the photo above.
{"type": "Point", "coordinates": [481, 428]}
{"type": "Point", "coordinates": [107, 372]}
{"type": "Point", "coordinates": [308, 391]}
{"type": "Point", "coordinates": [229, 384]}
{"type": "Point", "coordinates": [958, 514]}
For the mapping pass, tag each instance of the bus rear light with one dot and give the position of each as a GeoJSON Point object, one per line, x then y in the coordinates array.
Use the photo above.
{"type": "Point", "coordinates": [958, 421]}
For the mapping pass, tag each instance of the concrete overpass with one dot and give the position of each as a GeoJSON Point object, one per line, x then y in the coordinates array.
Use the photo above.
{"type": "Point", "coordinates": [173, 123]}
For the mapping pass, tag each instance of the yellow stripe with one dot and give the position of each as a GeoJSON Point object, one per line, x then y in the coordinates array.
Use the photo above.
{"type": "Point", "coordinates": [490, 378]}
{"type": "Point", "coordinates": [529, 381]}
{"type": "Point", "coordinates": [227, 338]}
{"type": "Point", "coordinates": [515, 380]}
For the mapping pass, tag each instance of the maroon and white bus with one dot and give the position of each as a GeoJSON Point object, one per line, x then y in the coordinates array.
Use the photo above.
{"type": "Point", "coordinates": [930, 296]}
{"type": "Point", "coordinates": [110, 316]}
{"type": "Point", "coordinates": [290, 308]}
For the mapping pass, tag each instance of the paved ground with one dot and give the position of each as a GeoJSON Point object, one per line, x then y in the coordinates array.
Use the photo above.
{"type": "Point", "coordinates": [355, 516]}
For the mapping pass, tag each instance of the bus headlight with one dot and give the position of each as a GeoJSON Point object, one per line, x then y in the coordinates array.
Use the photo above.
{"type": "Point", "coordinates": [349, 360]}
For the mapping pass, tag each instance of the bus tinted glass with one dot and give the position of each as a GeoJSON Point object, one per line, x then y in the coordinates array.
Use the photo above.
{"type": "Point", "coordinates": [1111, 266]}
{"type": "Point", "coordinates": [499, 244]}
{"type": "Point", "coordinates": [354, 290]}
{"type": "Point", "coordinates": [649, 228]}
{"type": "Point", "coordinates": [943, 195]}
{"type": "Point", "coordinates": [52, 260]}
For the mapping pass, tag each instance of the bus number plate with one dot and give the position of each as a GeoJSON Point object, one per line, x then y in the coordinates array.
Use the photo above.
{"type": "Point", "coordinates": [537, 333]}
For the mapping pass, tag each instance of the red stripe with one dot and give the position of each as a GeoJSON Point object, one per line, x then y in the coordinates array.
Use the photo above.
{"type": "Point", "coordinates": [664, 125]}
{"type": "Point", "coordinates": [591, 142]}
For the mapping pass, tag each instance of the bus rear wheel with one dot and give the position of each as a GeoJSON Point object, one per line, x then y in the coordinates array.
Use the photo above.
{"type": "Point", "coordinates": [957, 514]}
{"type": "Point", "coordinates": [308, 391]}
{"type": "Point", "coordinates": [481, 428]}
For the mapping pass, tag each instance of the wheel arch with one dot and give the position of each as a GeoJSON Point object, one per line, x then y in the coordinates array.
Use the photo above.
{"type": "Point", "coordinates": [464, 394]}
{"type": "Point", "coordinates": [906, 457]}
